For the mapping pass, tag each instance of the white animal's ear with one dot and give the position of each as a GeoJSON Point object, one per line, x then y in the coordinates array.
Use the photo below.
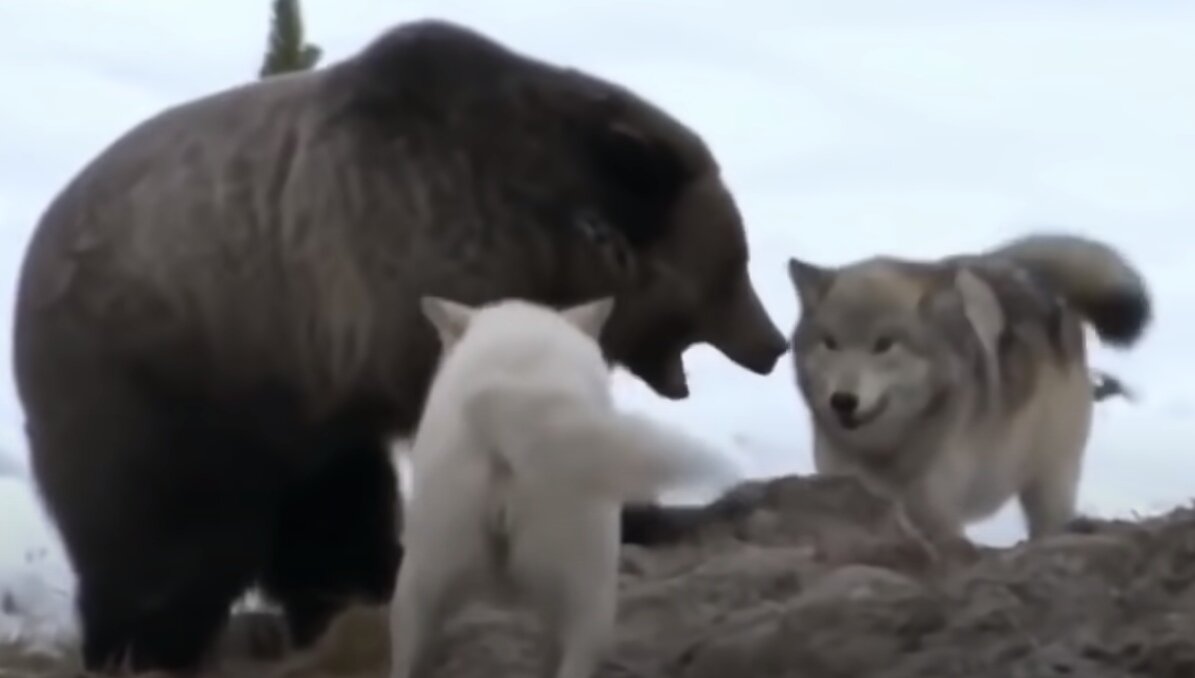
{"type": "Point", "coordinates": [809, 281]}
{"type": "Point", "coordinates": [590, 317]}
{"type": "Point", "coordinates": [981, 307]}
{"type": "Point", "coordinates": [450, 318]}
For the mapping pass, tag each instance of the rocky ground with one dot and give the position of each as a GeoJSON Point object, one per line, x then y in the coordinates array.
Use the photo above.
{"type": "Point", "coordinates": [807, 577]}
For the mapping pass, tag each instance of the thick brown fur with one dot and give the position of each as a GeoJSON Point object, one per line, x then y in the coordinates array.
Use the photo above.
{"type": "Point", "coordinates": [217, 327]}
{"type": "Point", "coordinates": [956, 384]}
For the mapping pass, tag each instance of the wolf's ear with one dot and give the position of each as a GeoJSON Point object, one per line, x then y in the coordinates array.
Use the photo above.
{"type": "Point", "coordinates": [981, 307]}
{"type": "Point", "coordinates": [449, 318]}
{"type": "Point", "coordinates": [590, 317]}
{"type": "Point", "coordinates": [809, 281]}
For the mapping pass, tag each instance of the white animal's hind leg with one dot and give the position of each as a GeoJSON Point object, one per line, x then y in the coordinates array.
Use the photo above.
{"type": "Point", "coordinates": [586, 627]}
{"type": "Point", "coordinates": [570, 573]}
{"type": "Point", "coordinates": [420, 606]}
{"type": "Point", "coordinates": [407, 621]}
{"type": "Point", "coordinates": [435, 580]}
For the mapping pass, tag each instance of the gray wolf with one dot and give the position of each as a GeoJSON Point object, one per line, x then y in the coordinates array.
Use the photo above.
{"type": "Point", "coordinates": [956, 384]}
{"type": "Point", "coordinates": [217, 331]}
{"type": "Point", "coordinates": [519, 466]}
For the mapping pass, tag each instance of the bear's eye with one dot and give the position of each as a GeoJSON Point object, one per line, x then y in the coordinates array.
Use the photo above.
{"type": "Point", "coordinates": [593, 228]}
{"type": "Point", "coordinates": [829, 342]}
{"type": "Point", "coordinates": [882, 344]}
{"type": "Point", "coordinates": [597, 231]}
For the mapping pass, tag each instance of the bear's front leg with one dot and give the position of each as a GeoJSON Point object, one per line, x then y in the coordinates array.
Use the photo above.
{"type": "Point", "coordinates": [337, 540]}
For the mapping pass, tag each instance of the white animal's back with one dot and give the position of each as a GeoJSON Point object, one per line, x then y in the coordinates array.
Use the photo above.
{"type": "Point", "coordinates": [520, 466]}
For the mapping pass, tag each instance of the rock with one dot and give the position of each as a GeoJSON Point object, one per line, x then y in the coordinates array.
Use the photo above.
{"type": "Point", "coordinates": [809, 577]}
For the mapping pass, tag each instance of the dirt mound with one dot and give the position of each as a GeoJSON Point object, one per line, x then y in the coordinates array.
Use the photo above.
{"type": "Point", "coordinates": [812, 577]}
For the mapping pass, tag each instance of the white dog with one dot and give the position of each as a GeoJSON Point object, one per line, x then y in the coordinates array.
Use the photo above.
{"type": "Point", "coordinates": [520, 465]}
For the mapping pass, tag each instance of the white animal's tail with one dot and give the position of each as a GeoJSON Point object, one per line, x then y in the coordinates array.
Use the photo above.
{"type": "Point", "coordinates": [621, 455]}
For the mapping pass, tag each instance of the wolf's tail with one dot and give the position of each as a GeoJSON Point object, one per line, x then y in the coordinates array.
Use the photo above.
{"type": "Point", "coordinates": [620, 455]}
{"type": "Point", "coordinates": [1092, 276]}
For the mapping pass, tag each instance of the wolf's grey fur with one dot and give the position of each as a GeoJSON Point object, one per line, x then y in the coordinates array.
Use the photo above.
{"type": "Point", "coordinates": [1106, 385]}
{"type": "Point", "coordinates": [956, 384]}
{"type": "Point", "coordinates": [520, 463]}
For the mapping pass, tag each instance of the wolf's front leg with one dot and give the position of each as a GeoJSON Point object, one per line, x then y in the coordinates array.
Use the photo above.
{"type": "Point", "coordinates": [934, 524]}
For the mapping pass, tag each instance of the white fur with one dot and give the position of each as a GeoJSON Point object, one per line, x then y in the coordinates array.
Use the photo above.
{"type": "Point", "coordinates": [520, 465]}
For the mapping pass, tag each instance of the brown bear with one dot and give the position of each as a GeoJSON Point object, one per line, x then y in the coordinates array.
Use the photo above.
{"type": "Point", "coordinates": [217, 329]}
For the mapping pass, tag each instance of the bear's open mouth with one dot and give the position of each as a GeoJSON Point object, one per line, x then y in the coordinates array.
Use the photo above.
{"type": "Point", "coordinates": [672, 382]}
{"type": "Point", "coordinates": [664, 375]}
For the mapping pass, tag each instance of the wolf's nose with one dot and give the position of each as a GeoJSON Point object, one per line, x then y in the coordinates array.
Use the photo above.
{"type": "Point", "coordinates": [844, 403]}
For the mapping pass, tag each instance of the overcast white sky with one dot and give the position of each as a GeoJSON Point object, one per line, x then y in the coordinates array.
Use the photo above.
{"type": "Point", "coordinates": [917, 128]}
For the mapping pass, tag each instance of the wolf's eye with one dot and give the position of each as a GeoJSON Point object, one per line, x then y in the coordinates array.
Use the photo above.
{"type": "Point", "coordinates": [830, 343]}
{"type": "Point", "coordinates": [882, 344]}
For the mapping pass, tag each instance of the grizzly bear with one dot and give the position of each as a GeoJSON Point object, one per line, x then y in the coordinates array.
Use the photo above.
{"type": "Point", "coordinates": [217, 330]}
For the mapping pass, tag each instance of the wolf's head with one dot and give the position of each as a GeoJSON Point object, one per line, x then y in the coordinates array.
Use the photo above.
{"type": "Point", "coordinates": [882, 344]}
{"type": "Point", "coordinates": [520, 330]}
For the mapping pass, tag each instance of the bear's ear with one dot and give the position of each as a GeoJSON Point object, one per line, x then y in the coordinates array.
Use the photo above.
{"type": "Point", "coordinates": [640, 161]}
{"type": "Point", "coordinates": [449, 318]}
{"type": "Point", "coordinates": [590, 317]}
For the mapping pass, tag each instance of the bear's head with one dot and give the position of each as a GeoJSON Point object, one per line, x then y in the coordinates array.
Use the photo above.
{"type": "Point", "coordinates": [601, 193]}
{"type": "Point", "coordinates": [666, 227]}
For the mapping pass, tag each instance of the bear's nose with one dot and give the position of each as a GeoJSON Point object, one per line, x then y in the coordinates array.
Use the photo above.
{"type": "Point", "coordinates": [844, 403]}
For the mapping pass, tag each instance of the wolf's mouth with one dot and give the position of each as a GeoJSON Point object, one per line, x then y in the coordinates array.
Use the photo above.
{"type": "Point", "coordinates": [858, 419]}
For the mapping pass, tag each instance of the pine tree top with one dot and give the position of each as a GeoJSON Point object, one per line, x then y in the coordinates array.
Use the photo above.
{"type": "Point", "coordinates": [286, 49]}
